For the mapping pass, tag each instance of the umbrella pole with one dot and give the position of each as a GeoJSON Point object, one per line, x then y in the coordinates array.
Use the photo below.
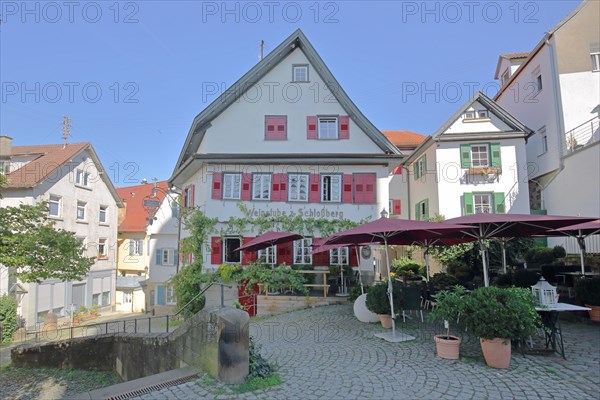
{"type": "Point", "coordinates": [486, 281]}
{"type": "Point", "coordinates": [503, 246]}
{"type": "Point", "coordinates": [581, 243]}
{"type": "Point", "coordinates": [362, 289]}
{"type": "Point", "coordinates": [390, 290]}
{"type": "Point", "coordinates": [427, 263]}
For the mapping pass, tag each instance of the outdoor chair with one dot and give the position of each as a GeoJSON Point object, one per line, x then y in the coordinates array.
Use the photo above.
{"type": "Point", "coordinates": [411, 301]}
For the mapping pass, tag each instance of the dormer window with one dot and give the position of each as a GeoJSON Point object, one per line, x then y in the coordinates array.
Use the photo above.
{"type": "Point", "coordinates": [505, 76]}
{"type": "Point", "coordinates": [300, 73]}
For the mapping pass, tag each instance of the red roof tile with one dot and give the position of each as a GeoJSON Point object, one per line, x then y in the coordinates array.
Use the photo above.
{"type": "Point", "coordinates": [135, 214]}
{"type": "Point", "coordinates": [50, 157]}
{"type": "Point", "coordinates": [404, 138]}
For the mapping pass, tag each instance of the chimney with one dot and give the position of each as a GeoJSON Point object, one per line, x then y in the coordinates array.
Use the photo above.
{"type": "Point", "coordinates": [5, 147]}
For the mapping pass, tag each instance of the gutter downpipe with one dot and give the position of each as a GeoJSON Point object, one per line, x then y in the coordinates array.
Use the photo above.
{"type": "Point", "coordinates": [560, 123]}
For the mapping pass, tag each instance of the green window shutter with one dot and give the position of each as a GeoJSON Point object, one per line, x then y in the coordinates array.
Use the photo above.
{"type": "Point", "coordinates": [417, 209]}
{"type": "Point", "coordinates": [158, 257]}
{"type": "Point", "coordinates": [131, 247]}
{"type": "Point", "coordinates": [424, 172]}
{"type": "Point", "coordinates": [465, 156]}
{"type": "Point", "coordinates": [499, 205]}
{"type": "Point", "coordinates": [426, 215]}
{"type": "Point", "coordinates": [468, 200]}
{"type": "Point", "coordinates": [416, 170]}
{"type": "Point", "coordinates": [496, 158]}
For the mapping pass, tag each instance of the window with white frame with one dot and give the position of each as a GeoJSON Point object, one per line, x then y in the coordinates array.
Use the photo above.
{"type": "Point", "coordinates": [298, 187]}
{"type": "Point", "coordinates": [479, 156]}
{"type": "Point", "coordinates": [482, 114]}
{"type": "Point", "coordinates": [482, 203]}
{"type": "Point", "coordinates": [187, 197]}
{"type": "Point", "coordinates": [470, 114]}
{"type": "Point", "coordinates": [170, 295]}
{"type": "Point", "coordinates": [476, 114]}
{"type": "Point", "coordinates": [4, 166]}
{"type": "Point", "coordinates": [303, 251]}
{"type": "Point", "coordinates": [103, 215]}
{"type": "Point", "coordinates": [102, 248]}
{"type": "Point", "coordinates": [127, 297]}
{"type": "Point", "coordinates": [232, 186]}
{"type": "Point", "coordinates": [331, 188]}
{"type": "Point", "coordinates": [105, 298]}
{"type": "Point", "coordinates": [136, 247]}
{"type": "Point", "coordinates": [82, 178]}
{"type": "Point", "coordinates": [168, 257]}
{"type": "Point", "coordinates": [544, 140]}
{"type": "Point", "coordinates": [328, 128]}
{"type": "Point", "coordinates": [268, 255]}
{"type": "Point", "coordinates": [54, 206]}
{"type": "Point", "coordinates": [595, 61]}
{"type": "Point", "coordinates": [81, 208]}
{"type": "Point", "coordinates": [420, 168]}
{"type": "Point", "coordinates": [261, 186]}
{"type": "Point", "coordinates": [339, 256]}
{"type": "Point", "coordinates": [300, 73]}
{"type": "Point", "coordinates": [230, 256]}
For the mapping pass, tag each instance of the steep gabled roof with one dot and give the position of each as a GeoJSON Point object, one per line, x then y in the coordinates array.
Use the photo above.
{"type": "Point", "coordinates": [136, 216]}
{"type": "Point", "coordinates": [517, 128]}
{"type": "Point", "coordinates": [50, 158]}
{"type": "Point", "coordinates": [295, 40]}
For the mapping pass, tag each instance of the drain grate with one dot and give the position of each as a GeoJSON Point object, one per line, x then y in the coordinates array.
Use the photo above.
{"type": "Point", "coordinates": [153, 388]}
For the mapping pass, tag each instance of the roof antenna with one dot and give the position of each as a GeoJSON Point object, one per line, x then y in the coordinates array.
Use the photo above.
{"type": "Point", "coordinates": [262, 49]}
{"type": "Point", "coordinates": [66, 129]}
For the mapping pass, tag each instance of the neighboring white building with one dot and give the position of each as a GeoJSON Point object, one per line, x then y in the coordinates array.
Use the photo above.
{"type": "Point", "coordinates": [471, 164]}
{"type": "Point", "coordinates": [303, 148]}
{"type": "Point", "coordinates": [555, 90]}
{"type": "Point", "coordinates": [82, 200]}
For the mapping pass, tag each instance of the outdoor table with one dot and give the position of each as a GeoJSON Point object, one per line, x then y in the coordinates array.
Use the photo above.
{"type": "Point", "coordinates": [551, 320]}
{"type": "Point", "coordinates": [325, 285]}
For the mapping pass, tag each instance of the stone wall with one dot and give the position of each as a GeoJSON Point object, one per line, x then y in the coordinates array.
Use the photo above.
{"type": "Point", "coordinates": [214, 340]}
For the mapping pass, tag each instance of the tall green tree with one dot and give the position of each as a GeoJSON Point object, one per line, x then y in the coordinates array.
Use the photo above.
{"type": "Point", "coordinates": [31, 244]}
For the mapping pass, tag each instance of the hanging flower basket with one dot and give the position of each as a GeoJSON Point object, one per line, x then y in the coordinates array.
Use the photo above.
{"type": "Point", "coordinates": [485, 171]}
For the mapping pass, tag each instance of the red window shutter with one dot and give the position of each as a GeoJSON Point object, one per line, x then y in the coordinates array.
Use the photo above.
{"type": "Point", "coordinates": [344, 127]}
{"type": "Point", "coordinates": [217, 185]}
{"type": "Point", "coordinates": [279, 187]}
{"type": "Point", "coordinates": [192, 196]}
{"type": "Point", "coordinates": [364, 188]}
{"type": "Point", "coordinates": [189, 258]}
{"type": "Point", "coordinates": [311, 127]}
{"type": "Point", "coordinates": [314, 195]}
{"type": "Point", "coordinates": [275, 127]}
{"type": "Point", "coordinates": [246, 187]}
{"type": "Point", "coordinates": [180, 259]}
{"type": "Point", "coordinates": [353, 256]}
{"type": "Point", "coordinates": [396, 205]}
{"type": "Point", "coordinates": [215, 249]}
{"type": "Point", "coordinates": [248, 256]}
{"type": "Point", "coordinates": [347, 188]}
{"type": "Point", "coordinates": [284, 253]}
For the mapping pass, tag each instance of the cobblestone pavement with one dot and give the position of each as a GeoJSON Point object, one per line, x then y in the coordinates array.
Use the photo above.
{"type": "Point", "coordinates": [326, 353]}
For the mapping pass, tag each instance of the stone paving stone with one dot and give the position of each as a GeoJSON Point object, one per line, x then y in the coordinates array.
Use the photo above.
{"type": "Point", "coordinates": [325, 353]}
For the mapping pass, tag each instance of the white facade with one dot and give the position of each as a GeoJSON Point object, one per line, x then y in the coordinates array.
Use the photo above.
{"type": "Point", "coordinates": [98, 287]}
{"type": "Point", "coordinates": [564, 152]}
{"type": "Point", "coordinates": [444, 181]}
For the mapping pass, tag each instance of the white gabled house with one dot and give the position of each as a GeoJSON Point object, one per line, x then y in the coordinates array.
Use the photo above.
{"type": "Point", "coordinates": [474, 163]}
{"type": "Point", "coordinates": [302, 148]}
{"type": "Point", "coordinates": [81, 199]}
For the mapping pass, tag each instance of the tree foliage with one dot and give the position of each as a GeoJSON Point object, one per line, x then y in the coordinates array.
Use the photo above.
{"type": "Point", "coordinates": [30, 243]}
{"type": "Point", "coordinates": [8, 317]}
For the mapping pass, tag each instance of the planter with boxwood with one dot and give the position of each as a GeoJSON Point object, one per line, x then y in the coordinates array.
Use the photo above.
{"type": "Point", "coordinates": [588, 291]}
{"type": "Point", "coordinates": [497, 316]}
{"type": "Point", "coordinates": [378, 302]}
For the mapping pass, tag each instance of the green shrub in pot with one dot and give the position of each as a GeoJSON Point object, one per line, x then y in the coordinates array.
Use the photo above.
{"type": "Point", "coordinates": [378, 301]}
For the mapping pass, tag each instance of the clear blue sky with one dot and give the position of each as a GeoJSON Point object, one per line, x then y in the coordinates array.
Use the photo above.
{"type": "Point", "coordinates": [159, 54]}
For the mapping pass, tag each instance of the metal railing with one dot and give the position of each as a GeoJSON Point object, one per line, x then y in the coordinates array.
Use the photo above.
{"type": "Point", "coordinates": [581, 136]}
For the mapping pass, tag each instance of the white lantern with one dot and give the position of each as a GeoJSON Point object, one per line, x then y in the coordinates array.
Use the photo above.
{"type": "Point", "coordinates": [544, 293]}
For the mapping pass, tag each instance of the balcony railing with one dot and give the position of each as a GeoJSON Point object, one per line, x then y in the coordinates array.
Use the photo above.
{"type": "Point", "coordinates": [582, 136]}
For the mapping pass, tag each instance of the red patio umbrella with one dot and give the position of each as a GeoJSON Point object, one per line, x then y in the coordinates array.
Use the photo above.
{"type": "Point", "coordinates": [269, 239]}
{"type": "Point", "coordinates": [579, 232]}
{"type": "Point", "coordinates": [394, 231]}
{"type": "Point", "coordinates": [489, 226]}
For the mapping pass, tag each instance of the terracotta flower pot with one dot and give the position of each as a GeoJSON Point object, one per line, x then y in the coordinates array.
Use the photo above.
{"type": "Point", "coordinates": [386, 320]}
{"type": "Point", "coordinates": [496, 352]}
{"type": "Point", "coordinates": [448, 347]}
{"type": "Point", "coordinates": [594, 312]}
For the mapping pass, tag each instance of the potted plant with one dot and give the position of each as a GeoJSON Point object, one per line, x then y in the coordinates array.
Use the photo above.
{"type": "Point", "coordinates": [378, 302]}
{"type": "Point", "coordinates": [448, 308]}
{"type": "Point", "coordinates": [498, 315]}
{"type": "Point", "coordinates": [588, 291]}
